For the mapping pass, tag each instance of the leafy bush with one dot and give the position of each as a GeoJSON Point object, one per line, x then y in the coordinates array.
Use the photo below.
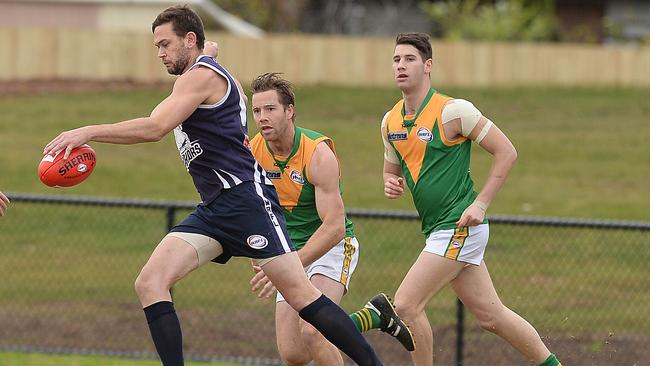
{"type": "Point", "coordinates": [504, 20]}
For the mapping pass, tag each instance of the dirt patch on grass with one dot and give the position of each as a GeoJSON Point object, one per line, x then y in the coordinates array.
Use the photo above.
{"type": "Point", "coordinates": [246, 336]}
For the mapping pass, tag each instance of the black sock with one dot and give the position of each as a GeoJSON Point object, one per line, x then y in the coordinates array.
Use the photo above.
{"type": "Point", "coordinates": [166, 332]}
{"type": "Point", "coordinates": [336, 326]}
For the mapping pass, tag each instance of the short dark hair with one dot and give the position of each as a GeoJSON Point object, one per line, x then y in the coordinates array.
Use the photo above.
{"type": "Point", "coordinates": [418, 40]}
{"type": "Point", "coordinates": [184, 20]}
{"type": "Point", "coordinates": [273, 81]}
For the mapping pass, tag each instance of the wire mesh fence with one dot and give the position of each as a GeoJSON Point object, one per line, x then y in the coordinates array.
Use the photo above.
{"type": "Point", "coordinates": [68, 266]}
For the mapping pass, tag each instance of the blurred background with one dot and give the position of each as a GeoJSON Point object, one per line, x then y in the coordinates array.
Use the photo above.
{"type": "Point", "coordinates": [567, 81]}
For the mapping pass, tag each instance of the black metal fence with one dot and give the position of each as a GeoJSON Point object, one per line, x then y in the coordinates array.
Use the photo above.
{"type": "Point", "coordinates": [68, 264]}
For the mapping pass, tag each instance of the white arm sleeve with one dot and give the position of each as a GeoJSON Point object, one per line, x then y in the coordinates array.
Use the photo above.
{"type": "Point", "coordinates": [389, 152]}
{"type": "Point", "coordinates": [463, 109]}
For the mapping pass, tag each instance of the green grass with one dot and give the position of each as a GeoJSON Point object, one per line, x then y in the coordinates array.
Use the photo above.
{"type": "Point", "coordinates": [37, 359]}
{"type": "Point", "coordinates": [582, 153]}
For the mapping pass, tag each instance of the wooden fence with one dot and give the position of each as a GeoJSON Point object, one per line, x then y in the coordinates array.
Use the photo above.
{"type": "Point", "coordinates": [40, 53]}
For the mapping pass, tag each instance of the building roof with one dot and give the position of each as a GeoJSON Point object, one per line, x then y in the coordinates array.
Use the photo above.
{"type": "Point", "coordinates": [221, 17]}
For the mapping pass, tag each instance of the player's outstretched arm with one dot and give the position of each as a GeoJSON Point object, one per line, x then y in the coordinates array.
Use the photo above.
{"type": "Point", "coordinates": [324, 174]}
{"type": "Point", "coordinates": [4, 204]}
{"type": "Point", "coordinates": [190, 90]}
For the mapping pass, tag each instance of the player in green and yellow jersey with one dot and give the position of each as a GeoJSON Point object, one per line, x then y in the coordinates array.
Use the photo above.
{"type": "Point", "coordinates": [427, 138]}
{"type": "Point", "coordinates": [303, 167]}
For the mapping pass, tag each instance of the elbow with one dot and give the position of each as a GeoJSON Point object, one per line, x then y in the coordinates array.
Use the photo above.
{"type": "Point", "coordinates": [506, 158]}
{"type": "Point", "coordinates": [513, 156]}
{"type": "Point", "coordinates": [338, 230]}
{"type": "Point", "coordinates": [154, 138]}
{"type": "Point", "coordinates": [155, 135]}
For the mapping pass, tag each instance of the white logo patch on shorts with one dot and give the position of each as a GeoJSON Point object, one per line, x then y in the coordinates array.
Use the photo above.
{"type": "Point", "coordinates": [257, 241]}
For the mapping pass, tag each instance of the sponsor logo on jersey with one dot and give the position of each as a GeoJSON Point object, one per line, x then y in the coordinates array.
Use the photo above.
{"type": "Point", "coordinates": [296, 177]}
{"type": "Point", "coordinates": [273, 174]}
{"type": "Point", "coordinates": [190, 151]}
{"type": "Point", "coordinates": [257, 241]}
{"type": "Point", "coordinates": [396, 136]}
{"type": "Point", "coordinates": [424, 134]}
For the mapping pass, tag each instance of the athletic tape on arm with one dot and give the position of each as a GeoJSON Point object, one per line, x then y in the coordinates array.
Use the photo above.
{"type": "Point", "coordinates": [484, 131]}
{"type": "Point", "coordinates": [389, 153]}
{"type": "Point", "coordinates": [463, 109]}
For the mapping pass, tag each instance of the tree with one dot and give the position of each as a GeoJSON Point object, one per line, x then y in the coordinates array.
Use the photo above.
{"type": "Point", "coordinates": [503, 20]}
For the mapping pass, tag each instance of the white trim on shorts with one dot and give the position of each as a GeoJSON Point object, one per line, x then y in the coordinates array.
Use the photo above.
{"type": "Point", "coordinates": [466, 244]}
{"type": "Point", "coordinates": [274, 220]}
{"type": "Point", "coordinates": [338, 263]}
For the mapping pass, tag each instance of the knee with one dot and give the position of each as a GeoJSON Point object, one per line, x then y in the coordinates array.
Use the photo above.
{"type": "Point", "coordinates": [489, 320]}
{"type": "Point", "coordinates": [293, 351]}
{"type": "Point", "coordinates": [312, 337]}
{"type": "Point", "coordinates": [145, 284]}
{"type": "Point", "coordinates": [293, 358]}
{"type": "Point", "coordinates": [141, 285]}
{"type": "Point", "coordinates": [406, 310]}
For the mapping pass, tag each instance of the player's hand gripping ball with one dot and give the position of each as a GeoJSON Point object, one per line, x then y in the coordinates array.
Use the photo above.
{"type": "Point", "coordinates": [56, 172]}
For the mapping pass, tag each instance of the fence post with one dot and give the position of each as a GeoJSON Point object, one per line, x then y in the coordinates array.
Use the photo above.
{"type": "Point", "coordinates": [171, 217]}
{"type": "Point", "coordinates": [460, 331]}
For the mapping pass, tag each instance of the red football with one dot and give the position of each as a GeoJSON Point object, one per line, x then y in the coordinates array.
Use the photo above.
{"type": "Point", "coordinates": [56, 172]}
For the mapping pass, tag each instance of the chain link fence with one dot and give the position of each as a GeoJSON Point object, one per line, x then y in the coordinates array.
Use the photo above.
{"type": "Point", "coordinates": [68, 266]}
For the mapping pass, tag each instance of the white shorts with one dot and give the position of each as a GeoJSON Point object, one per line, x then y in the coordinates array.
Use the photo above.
{"type": "Point", "coordinates": [465, 244]}
{"type": "Point", "coordinates": [338, 264]}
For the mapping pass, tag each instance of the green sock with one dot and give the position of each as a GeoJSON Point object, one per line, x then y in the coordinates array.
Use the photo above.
{"type": "Point", "coordinates": [365, 319]}
{"type": "Point", "coordinates": [551, 361]}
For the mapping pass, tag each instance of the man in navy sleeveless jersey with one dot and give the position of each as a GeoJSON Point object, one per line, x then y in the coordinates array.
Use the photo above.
{"type": "Point", "coordinates": [239, 214]}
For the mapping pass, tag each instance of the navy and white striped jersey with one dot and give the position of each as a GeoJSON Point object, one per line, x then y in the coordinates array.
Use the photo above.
{"type": "Point", "coordinates": [213, 141]}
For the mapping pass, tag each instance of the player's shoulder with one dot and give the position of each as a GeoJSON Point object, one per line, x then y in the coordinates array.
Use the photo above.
{"type": "Point", "coordinates": [310, 134]}
{"type": "Point", "coordinates": [395, 108]}
{"type": "Point", "coordinates": [323, 157]}
{"type": "Point", "coordinates": [256, 141]}
{"type": "Point", "coordinates": [198, 77]}
{"type": "Point", "coordinates": [457, 100]}
{"type": "Point", "coordinates": [459, 106]}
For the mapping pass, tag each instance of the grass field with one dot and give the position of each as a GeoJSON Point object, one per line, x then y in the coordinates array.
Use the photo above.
{"type": "Point", "coordinates": [582, 153]}
{"type": "Point", "coordinates": [36, 359]}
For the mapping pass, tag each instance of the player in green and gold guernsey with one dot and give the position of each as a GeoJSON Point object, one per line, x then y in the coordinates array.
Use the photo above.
{"type": "Point", "coordinates": [290, 176]}
{"type": "Point", "coordinates": [303, 167]}
{"type": "Point", "coordinates": [427, 138]}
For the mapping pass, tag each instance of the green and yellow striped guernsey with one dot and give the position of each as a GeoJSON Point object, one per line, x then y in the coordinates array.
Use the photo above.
{"type": "Point", "coordinates": [435, 169]}
{"type": "Point", "coordinates": [290, 176]}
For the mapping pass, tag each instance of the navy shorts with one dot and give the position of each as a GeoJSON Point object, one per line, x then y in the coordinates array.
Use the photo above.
{"type": "Point", "coordinates": [246, 220]}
